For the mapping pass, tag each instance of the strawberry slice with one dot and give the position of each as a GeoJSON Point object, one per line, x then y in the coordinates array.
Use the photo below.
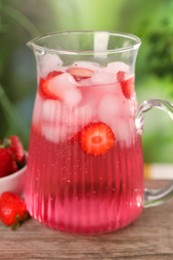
{"type": "Point", "coordinates": [79, 73]}
{"type": "Point", "coordinates": [45, 88]}
{"type": "Point", "coordinates": [53, 74]}
{"type": "Point", "coordinates": [46, 91]}
{"type": "Point", "coordinates": [96, 138]}
{"type": "Point", "coordinates": [127, 84]}
{"type": "Point", "coordinates": [127, 87]}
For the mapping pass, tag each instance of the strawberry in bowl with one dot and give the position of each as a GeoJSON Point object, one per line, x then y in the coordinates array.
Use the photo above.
{"type": "Point", "coordinates": [12, 165]}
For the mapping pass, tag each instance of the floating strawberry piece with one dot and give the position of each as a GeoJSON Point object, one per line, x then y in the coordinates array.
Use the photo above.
{"type": "Point", "coordinates": [46, 91]}
{"type": "Point", "coordinates": [127, 84]}
{"type": "Point", "coordinates": [45, 88]}
{"type": "Point", "coordinates": [13, 209]}
{"type": "Point", "coordinates": [53, 74]}
{"type": "Point", "coordinates": [96, 138]}
{"type": "Point", "coordinates": [79, 73]}
{"type": "Point", "coordinates": [127, 87]}
{"type": "Point", "coordinates": [121, 75]}
{"type": "Point", "coordinates": [16, 147]}
{"type": "Point", "coordinates": [6, 162]}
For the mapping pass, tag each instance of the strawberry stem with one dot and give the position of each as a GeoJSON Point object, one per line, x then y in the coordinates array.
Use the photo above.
{"type": "Point", "coordinates": [6, 142]}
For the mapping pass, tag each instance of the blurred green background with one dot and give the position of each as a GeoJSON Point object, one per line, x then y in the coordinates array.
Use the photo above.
{"type": "Point", "coordinates": [152, 21]}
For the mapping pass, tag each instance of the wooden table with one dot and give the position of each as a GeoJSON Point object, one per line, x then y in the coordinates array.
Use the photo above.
{"type": "Point", "coordinates": [150, 237]}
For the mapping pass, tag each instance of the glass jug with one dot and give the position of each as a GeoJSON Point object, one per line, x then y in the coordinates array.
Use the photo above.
{"type": "Point", "coordinates": [85, 162]}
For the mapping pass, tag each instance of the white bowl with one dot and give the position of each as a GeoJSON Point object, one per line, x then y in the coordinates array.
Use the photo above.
{"type": "Point", "coordinates": [13, 182]}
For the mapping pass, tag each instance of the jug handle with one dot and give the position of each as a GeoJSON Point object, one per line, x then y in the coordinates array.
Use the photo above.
{"type": "Point", "coordinates": [154, 197]}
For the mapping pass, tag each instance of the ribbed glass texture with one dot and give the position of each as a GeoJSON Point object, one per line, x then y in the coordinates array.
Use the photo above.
{"type": "Point", "coordinates": [70, 190]}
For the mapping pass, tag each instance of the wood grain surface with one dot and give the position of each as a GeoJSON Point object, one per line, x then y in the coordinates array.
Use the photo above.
{"type": "Point", "coordinates": [150, 237]}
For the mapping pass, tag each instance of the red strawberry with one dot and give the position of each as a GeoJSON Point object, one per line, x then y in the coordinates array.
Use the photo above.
{"type": "Point", "coordinates": [79, 73]}
{"type": "Point", "coordinates": [127, 85]}
{"type": "Point", "coordinates": [6, 162]}
{"type": "Point", "coordinates": [45, 88]}
{"type": "Point", "coordinates": [14, 167]}
{"type": "Point", "coordinates": [121, 75]}
{"type": "Point", "coordinates": [46, 91]}
{"type": "Point", "coordinates": [16, 147]}
{"type": "Point", "coordinates": [74, 137]}
{"type": "Point", "coordinates": [12, 209]}
{"type": "Point", "coordinates": [96, 138]}
{"type": "Point", "coordinates": [53, 74]}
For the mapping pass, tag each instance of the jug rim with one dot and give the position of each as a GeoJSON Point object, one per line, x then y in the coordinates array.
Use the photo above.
{"type": "Point", "coordinates": [135, 45]}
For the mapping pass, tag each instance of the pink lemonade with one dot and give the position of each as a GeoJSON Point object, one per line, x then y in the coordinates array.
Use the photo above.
{"type": "Point", "coordinates": [85, 164]}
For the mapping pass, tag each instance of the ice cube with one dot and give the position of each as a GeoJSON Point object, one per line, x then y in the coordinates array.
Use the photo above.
{"type": "Point", "coordinates": [84, 114]}
{"type": "Point", "coordinates": [114, 67]}
{"type": "Point", "coordinates": [122, 131]}
{"type": "Point", "coordinates": [68, 118]}
{"type": "Point", "coordinates": [72, 97]}
{"type": "Point", "coordinates": [112, 107]}
{"type": "Point", "coordinates": [102, 77]}
{"type": "Point", "coordinates": [55, 132]}
{"type": "Point", "coordinates": [109, 109]}
{"type": "Point", "coordinates": [51, 111]}
{"type": "Point", "coordinates": [48, 63]}
{"type": "Point", "coordinates": [77, 117]}
{"type": "Point", "coordinates": [62, 82]}
{"type": "Point", "coordinates": [116, 114]}
{"type": "Point", "coordinates": [86, 64]}
{"type": "Point", "coordinates": [64, 86]}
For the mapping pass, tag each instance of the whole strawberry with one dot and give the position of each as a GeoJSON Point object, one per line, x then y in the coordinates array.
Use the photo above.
{"type": "Point", "coordinates": [16, 147]}
{"type": "Point", "coordinates": [13, 210]}
{"type": "Point", "coordinates": [12, 155]}
{"type": "Point", "coordinates": [7, 164]}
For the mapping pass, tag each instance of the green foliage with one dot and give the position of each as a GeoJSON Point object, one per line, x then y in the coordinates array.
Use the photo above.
{"type": "Point", "coordinates": [157, 135]}
{"type": "Point", "coordinates": [12, 122]}
{"type": "Point", "coordinates": [153, 23]}
{"type": "Point", "coordinates": [88, 15]}
{"type": "Point", "coordinates": [11, 20]}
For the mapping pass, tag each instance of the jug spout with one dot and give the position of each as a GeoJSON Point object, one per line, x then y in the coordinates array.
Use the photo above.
{"type": "Point", "coordinates": [30, 44]}
{"type": "Point", "coordinates": [34, 43]}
